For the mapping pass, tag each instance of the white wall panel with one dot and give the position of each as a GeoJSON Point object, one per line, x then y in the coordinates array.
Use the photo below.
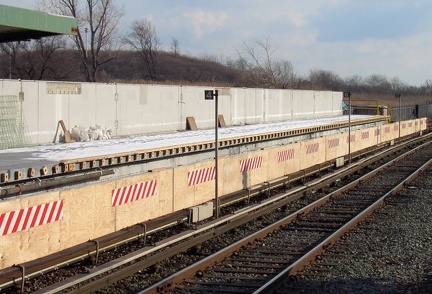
{"type": "Point", "coordinates": [138, 109]}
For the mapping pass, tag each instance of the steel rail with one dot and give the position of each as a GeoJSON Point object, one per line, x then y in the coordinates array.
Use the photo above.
{"type": "Point", "coordinates": [272, 284]}
{"type": "Point", "coordinates": [167, 283]}
{"type": "Point", "coordinates": [54, 182]}
{"type": "Point", "coordinates": [271, 205]}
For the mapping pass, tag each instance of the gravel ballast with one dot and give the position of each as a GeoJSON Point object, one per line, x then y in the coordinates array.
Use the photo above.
{"type": "Point", "coordinates": [391, 252]}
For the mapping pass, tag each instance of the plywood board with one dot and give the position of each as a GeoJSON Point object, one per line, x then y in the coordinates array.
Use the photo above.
{"type": "Point", "coordinates": [24, 245]}
{"type": "Point", "coordinates": [312, 152]}
{"type": "Point", "coordinates": [88, 213]}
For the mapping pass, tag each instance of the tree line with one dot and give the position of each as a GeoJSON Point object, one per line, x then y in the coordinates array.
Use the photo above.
{"type": "Point", "coordinates": [99, 53]}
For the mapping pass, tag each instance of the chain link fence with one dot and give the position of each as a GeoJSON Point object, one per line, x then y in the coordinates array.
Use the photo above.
{"type": "Point", "coordinates": [11, 122]}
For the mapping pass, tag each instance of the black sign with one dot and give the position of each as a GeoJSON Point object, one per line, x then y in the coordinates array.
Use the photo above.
{"type": "Point", "coordinates": [347, 94]}
{"type": "Point", "coordinates": [208, 94]}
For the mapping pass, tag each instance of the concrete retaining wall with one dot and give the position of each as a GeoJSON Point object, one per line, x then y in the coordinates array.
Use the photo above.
{"type": "Point", "coordinates": [138, 109]}
{"type": "Point", "coordinates": [32, 226]}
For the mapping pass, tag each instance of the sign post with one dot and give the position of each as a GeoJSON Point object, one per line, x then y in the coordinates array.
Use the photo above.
{"type": "Point", "coordinates": [348, 95]}
{"type": "Point", "coordinates": [400, 113]}
{"type": "Point", "coordinates": [209, 95]}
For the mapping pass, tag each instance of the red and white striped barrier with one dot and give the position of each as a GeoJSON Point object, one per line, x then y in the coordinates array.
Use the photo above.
{"type": "Point", "coordinates": [312, 148]}
{"type": "Point", "coordinates": [202, 175]}
{"type": "Point", "coordinates": [364, 135]}
{"type": "Point", "coordinates": [285, 155]}
{"type": "Point", "coordinates": [132, 193]}
{"type": "Point", "coordinates": [333, 143]}
{"type": "Point", "coordinates": [250, 163]}
{"type": "Point", "coordinates": [352, 139]}
{"type": "Point", "coordinates": [30, 217]}
{"type": "Point", "coordinates": [377, 132]}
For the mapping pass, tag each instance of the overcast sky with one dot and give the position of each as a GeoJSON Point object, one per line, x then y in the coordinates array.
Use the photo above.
{"type": "Point", "coordinates": [348, 37]}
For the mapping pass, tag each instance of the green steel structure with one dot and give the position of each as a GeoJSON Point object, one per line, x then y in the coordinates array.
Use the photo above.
{"type": "Point", "coordinates": [19, 24]}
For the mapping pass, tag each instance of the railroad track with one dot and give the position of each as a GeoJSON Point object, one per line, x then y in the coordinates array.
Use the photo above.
{"type": "Point", "coordinates": [262, 261]}
{"type": "Point", "coordinates": [99, 276]}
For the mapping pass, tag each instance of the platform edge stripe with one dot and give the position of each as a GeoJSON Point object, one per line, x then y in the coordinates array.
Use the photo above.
{"type": "Point", "coordinates": [190, 176]}
{"type": "Point", "coordinates": [250, 163]}
{"type": "Point", "coordinates": [43, 214]}
{"type": "Point", "coordinates": [201, 175]}
{"type": "Point", "coordinates": [59, 215]}
{"type": "Point", "coordinates": [143, 187]}
{"type": "Point", "coordinates": [154, 187]}
{"type": "Point", "coordinates": [131, 194]}
{"type": "Point", "coordinates": [29, 214]}
{"type": "Point", "coordinates": [19, 220]}
{"type": "Point", "coordinates": [48, 209]}
{"type": "Point", "coordinates": [127, 194]}
{"type": "Point", "coordinates": [9, 222]}
{"type": "Point", "coordinates": [114, 194]}
{"type": "Point", "coordinates": [124, 194]}
{"type": "Point", "coordinates": [4, 223]}
{"type": "Point", "coordinates": [207, 174]}
{"type": "Point", "coordinates": [53, 211]}
{"type": "Point", "coordinates": [152, 190]}
{"type": "Point", "coordinates": [145, 190]}
{"type": "Point", "coordinates": [135, 194]}
{"type": "Point", "coordinates": [214, 173]}
{"type": "Point", "coordinates": [35, 217]}
{"type": "Point", "coordinates": [2, 218]}
{"type": "Point", "coordinates": [30, 217]}
{"type": "Point", "coordinates": [127, 198]}
{"type": "Point", "coordinates": [137, 191]}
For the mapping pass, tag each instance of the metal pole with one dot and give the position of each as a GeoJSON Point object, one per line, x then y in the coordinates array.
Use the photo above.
{"type": "Point", "coordinates": [400, 114]}
{"type": "Point", "coordinates": [349, 128]}
{"type": "Point", "coordinates": [216, 155]}
{"type": "Point", "coordinates": [10, 67]}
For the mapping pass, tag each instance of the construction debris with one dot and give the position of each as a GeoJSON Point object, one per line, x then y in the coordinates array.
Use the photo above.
{"type": "Point", "coordinates": [98, 132]}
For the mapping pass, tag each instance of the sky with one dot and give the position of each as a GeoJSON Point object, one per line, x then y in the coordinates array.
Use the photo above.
{"type": "Point", "coordinates": [348, 37]}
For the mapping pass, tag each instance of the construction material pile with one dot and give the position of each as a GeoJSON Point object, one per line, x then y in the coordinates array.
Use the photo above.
{"type": "Point", "coordinates": [98, 132]}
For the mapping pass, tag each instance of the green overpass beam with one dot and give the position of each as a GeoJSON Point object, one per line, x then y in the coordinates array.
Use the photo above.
{"type": "Point", "coordinates": [19, 24]}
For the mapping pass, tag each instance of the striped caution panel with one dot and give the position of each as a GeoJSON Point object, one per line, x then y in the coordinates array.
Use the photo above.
{"type": "Point", "coordinates": [312, 148]}
{"type": "Point", "coordinates": [250, 163]}
{"type": "Point", "coordinates": [30, 217]}
{"type": "Point", "coordinates": [285, 155]}
{"type": "Point", "coordinates": [333, 143]}
{"type": "Point", "coordinates": [201, 175]}
{"type": "Point", "coordinates": [132, 193]}
{"type": "Point", "coordinates": [364, 135]}
{"type": "Point", "coordinates": [377, 132]}
{"type": "Point", "coordinates": [351, 138]}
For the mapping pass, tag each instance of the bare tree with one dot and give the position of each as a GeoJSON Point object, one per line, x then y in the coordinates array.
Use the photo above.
{"type": "Point", "coordinates": [9, 61]}
{"type": "Point", "coordinates": [144, 40]}
{"type": "Point", "coordinates": [378, 84]}
{"type": "Point", "coordinates": [175, 46]}
{"type": "Point", "coordinates": [98, 30]}
{"type": "Point", "coordinates": [37, 59]}
{"type": "Point", "coordinates": [427, 87]}
{"type": "Point", "coordinates": [326, 80]}
{"type": "Point", "coordinates": [263, 70]}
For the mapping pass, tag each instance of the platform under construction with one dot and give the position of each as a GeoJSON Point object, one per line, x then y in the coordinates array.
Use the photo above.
{"type": "Point", "coordinates": [91, 189]}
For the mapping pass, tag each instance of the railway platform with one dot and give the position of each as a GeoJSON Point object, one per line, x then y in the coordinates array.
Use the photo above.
{"type": "Point", "coordinates": [57, 196]}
